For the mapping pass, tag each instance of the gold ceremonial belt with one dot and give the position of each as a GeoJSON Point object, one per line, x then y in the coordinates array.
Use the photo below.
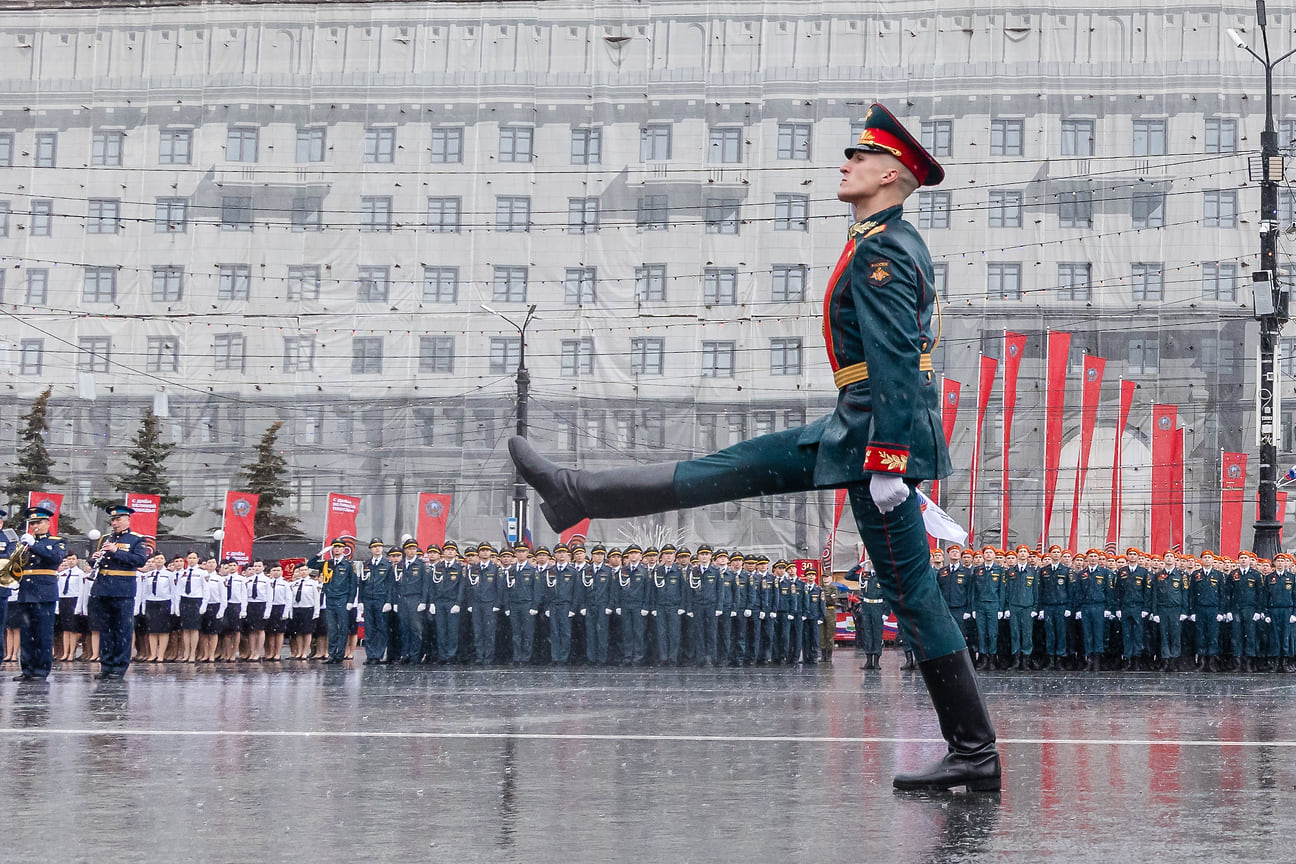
{"type": "Point", "coordinates": [848, 375]}
{"type": "Point", "coordinates": [39, 573]}
{"type": "Point", "coordinates": [130, 573]}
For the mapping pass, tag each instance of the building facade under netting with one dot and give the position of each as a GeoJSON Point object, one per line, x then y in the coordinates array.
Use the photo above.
{"type": "Point", "coordinates": [246, 213]}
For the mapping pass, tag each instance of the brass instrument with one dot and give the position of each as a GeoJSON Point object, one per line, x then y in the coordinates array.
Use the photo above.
{"type": "Point", "coordinates": [11, 568]}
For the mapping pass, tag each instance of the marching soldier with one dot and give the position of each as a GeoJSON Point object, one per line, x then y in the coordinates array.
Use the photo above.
{"type": "Point", "coordinates": [117, 559]}
{"type": "Point", "coordinates": [338, 581]}
{"type": "Point", "coordinates": [38, 593]}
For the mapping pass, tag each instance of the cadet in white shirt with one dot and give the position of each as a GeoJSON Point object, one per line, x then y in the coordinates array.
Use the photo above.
{"type": "Point", "coordinates": [305, 592]}
{"type": "Point", "coordinates": [277, 623]}
{"type": "Point", "coordinates": [259, 593]}
{"type": "Point", "coordinates": [70, 579]}
{"type": "Point", "coordinates": [156, 600]}
{"type": "Point", "coordinates": [214, 615]}
{"type": "Point", "coordinates": [190, 604]}
{"type": "Point", "coordinates": [235, 595]}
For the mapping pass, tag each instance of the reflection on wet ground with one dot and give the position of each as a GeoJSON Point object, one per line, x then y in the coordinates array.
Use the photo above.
{"type": "Point", "coordinates": [401, 764]}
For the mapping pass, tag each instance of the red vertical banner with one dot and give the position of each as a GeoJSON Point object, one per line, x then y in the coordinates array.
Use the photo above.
{"type": "Point", "coordinates": [1091, 390]}
{"type": "Point", "coordinates": [51, 501]}
{"type": "Point", "coordinates": [239, 526]}
{"type": "Point", "coordinates": [1113, 518]}
{"type": "Point", "coordinates": [580, 529]}
{"type": "Point", "coordinates": [1059, 350]}
{"type": "Point", "coordinates": [1177, 493]}
{"type": "Point", "coordinates": [341, 518]}
{"type": "Point", "coordinates": [1232, 492]}
{"type": "Point", "coordinates": [949, 413]}
{"type": "Point", "coordinates": [1014, 346]}
{"type": "Point", "coordinates": [1164, 418]}
{"type": "Point", "coordinates": [826, 557]}
{"type": "Point", "coordinates": [985, 384]}
{"type": "Point", "coordinates": [144, 520]}
{"type": "Point", "coordinates": [433, 517]}
{"type": "Point", "coordinates": [1280, 510]}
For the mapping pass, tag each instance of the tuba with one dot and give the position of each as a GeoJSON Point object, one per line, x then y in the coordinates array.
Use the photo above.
{"type": "Point", "coordinates": [11, 568]}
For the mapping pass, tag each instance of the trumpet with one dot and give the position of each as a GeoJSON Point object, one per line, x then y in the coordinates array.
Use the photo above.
{"type": "Point", "coordinates": [11, 568]}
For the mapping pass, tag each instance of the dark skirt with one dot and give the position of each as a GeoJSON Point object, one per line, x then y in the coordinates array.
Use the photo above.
{"type": "Point", "coordinates": [67, 617]}
{"type": "Point", "coordinates": [157, 614]}
{"type": "Point", "coordinates": [255, 619]}
{"type": "Point", "coordinates": [352, 623]}
{"type": "Point", "coordinates": [231, 623]}
{"type": "Point", "coordinates": [211, 622]}
{"type": "Point", "coordinates": [190, 616]}
{"type": "Point", "coordinates": [321, 624]}
{"type": "Point", "coordinates": [278, 623]}
{"type": "Point", "coordinates": [301, 623]}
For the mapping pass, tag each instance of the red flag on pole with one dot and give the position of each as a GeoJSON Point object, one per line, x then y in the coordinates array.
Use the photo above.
{"type": "Point", "coordinates": [826, 557]}
{"type": "Point", "coordinates": [239, 526]}
{"type": "Point", "coordinates": [144, 520]}
{"type": "Point", "coordinates": [1280, 510]}
{"type": "Point", "coordinates": [580, 529]}
{"type": "Point", "coordinates": [949, 413]}
{"type": "Point", "coordinates": [1059, 349]}
{"type": "Point", "coordinates": [342, 510]}
{"type": "Point", "coordinates": [1164, 418]}
{"type": "Point", "coordinates": [1176, 493]}
{"type": "Point", "coordinates": [1014, 346]}
{"type": "Point", "coordinates": [51, 501]}
{"type": "Point", "coordinates": [1090, 391]}
{"type": "Point", "coordinates": [433, 517]}
{"type": "Point", "coordinates": [1113, 519]}
{"type": "Point", "coordinates": [290, 566]}
{"type": "Point", "coordinates": [1232, 491]}
{"type": "Point", "coordinates": [985, 384]}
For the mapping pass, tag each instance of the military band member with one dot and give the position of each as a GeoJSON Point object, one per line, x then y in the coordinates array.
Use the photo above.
{"type": "Point", "coordinates": [38, 593]}
{"type": "Point", "coordinates": [117, 559]}
{"type": "Point", "coordinates": [338, 578]}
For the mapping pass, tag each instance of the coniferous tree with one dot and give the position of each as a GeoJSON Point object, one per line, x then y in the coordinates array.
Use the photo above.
{"type": "Point", "coordinates": [268, 478]}
{"type": "Point", "coordinates": [35, 465]}
{"type": "Point", "coordinates": [146, 472]}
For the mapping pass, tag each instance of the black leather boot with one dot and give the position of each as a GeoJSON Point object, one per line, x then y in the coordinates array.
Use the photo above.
{"type": "Point", "coordinates": [972, 760]}
{"type": "Point", "coordinates": [909, 664]}
{"type": "Point", "coordinates": [569, 495]}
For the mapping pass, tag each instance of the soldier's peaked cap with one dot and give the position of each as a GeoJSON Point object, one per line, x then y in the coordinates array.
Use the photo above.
{"type": "Point", "coordinates": [883, 134]}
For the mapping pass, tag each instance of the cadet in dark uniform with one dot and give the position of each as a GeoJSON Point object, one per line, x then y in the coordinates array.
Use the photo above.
{"type": "Point", "coordinates": [1169, 610]}
{"type": "Point", "coordinates": [706, 606]}
{"type": "Point", "coordinates": [1207, 595]}
{"type": "Point", "coordinates": [445, 598]}
{"type": "Point", "coordinates": [668, 607]}
{"type": "Point", "coordinates": [828, 625]}
{"type": "Point", "coordinates": [112, 599]}
{"type": "Point", "coordinates": [376, 583]}
{"type": "Point", "coordinates": [520, 604]}
{"type": "Point", "coordinates": [411, 601]}
{"type": "Point", "coordinates": [595, 591]}
{"type": "Point", "coordinates": [872, 611]}
{"type": "Point", "coordinates": [1092, 598]}
{"type": "Point", "coordinates": [632, 593]}
{"type": "Point", "coordinates": [1282, 608]}
{"type": "Point", "coordinates": [812, 616]}
{"type": "Point", "coordinates": [482, 596]}
{"type": "Point", "coordinates": [1021, 597]}
{"type": "Point", "coordinates": [987, 601]}
{"type": "Point", "coordinates": [338, 581]}
{"type": "Point", "coordinates": [559, 591]}
{"type": "Point", "coordinates": [1055, 606]}
{"type": "Point", "coordinates": [38, 595]}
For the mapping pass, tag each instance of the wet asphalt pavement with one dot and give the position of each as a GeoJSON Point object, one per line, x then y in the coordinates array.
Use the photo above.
{"type": "Point", "coordinates": [290, 762]}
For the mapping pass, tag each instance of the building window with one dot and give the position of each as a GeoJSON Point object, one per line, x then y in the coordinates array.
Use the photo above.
{"type": "Point", "coordinates": [1148, 282]}
{"type": "Point", "coordinates": [1147, 208]}
{"type": "Point", "coordinates": [380, 145]}
{"type": "Point", "coordinates": [31, 357]}
{"type": "Point", "coordinates": [92, 353]}
{"type": "Point", "coordinates": [299, 353]}
{"type": "Point", "coordinates": [241, 144]}
{"type": "Point", "coordinates": [933, 209]}
{"type": "Point", "coordinates": [720, 286]}
{"type": "Point", "coordinates": [163, 354]}
{"type": "Point", "coordinates": [1075, 209]}
{"type": "Point", "coordinates": [373, 284]}
{"type": "Point", "coordinates": [447, 144]}
{"type": "Point", "coordinates": [375, 215]}
{"type": "Point", "coordinates": [1073, 282]}
{"type": "Point", "coordinates": [443, 215]}
{"type": "Point", "coordinates": [653, 213]}
{"type": "Point", "coordinates": [1077, 137]}
{"type": "Point", "coordinates": [1005, 208]}
{"type": "Point", "coordinates": [1221, 208]}
{"type": "Point", "coordinates": [647, 356]}
{"type": "Point", "coordinates": [509, 285]}
{"type": "Point", "coordinates": [650, 283]}
{"type": "Point", "coordinates": [170, 215]}
{"type": "Point", "coordinates": [1287, 359]}
{"type": "Point", "coordinates": [790, 212]}
{"type": "Point", "coordinates": [794, 141]}
{"type": "Point", "coordinates": [307, 213]}
{"type": "Point", "coordinates": [46, 149]}
{"type": "Point", "coordinates": [513, 213]}
{"type": "Point", "coordinates": [725, 145]}
{"type": "Point", "coordinates": [586, 146]}
{"type": "Point", "coordinates": [1006, 137]}
{"type": "Point", "coordinates": [762, 423]}
{"type": "Point", "coordinates": [578, 285]}
{"type": "Point", "coordinates": [102, 215]}
{"type": "Point", "coordinates": [4, 218]}
{"type": "Point", "coordinates": [106, 148]}
{"type": "Point", "coordinates": [938, 137]}
{"type": "Point", "coordinates": [100, 285]}
{"type": "Point", "coordinates": [440, 284]}
{"type": "Point", "coordinates": [785, 356]}
{"type": "Point", "coordinates": [234, 282]}
{"type": "Point", "coordinates": [175, 146]}
{"type": "Point", "coordinates": [304, 282]}
{"type": "Point", "coordinates": [168, 284]}
{"type": "Point", "coordinates": [722, 215]}
{"type": "Point", "coordinates": [1003, 281]}
{"type": "Point", "coordinates": [1286, 208]}
{"type": "Point", "coordinates": [1221, 135]}
{"type": "Point", "coordinates": [236, 213]}
{"type": "Point", "coordinates": [789, 283]}
{"type": "Point", "coordinates": [366, 355]}
{"type": "Point", "coordinates": [42, 218]}
{"type": "Point", "coordinates": [1150, 137]}
{"type": "Point", "coordinates": [717, 359]}
{"type": "Point", "coordinates": [516, 143]}
{"type": "Point", "coordinates": [311, 143]}
{"type": "Point", "coordinates": [1219, 282]}
{"type": "Point", "coordinates": [577, 357]}
{"type": "Point", "coordinates": [436, 354]}
{"type": "Point", "coordinates": [655, 142]}
{"type": "Point", "coordinates": [6, 149]}
{"type": "Point", "coordinates": [505, 354]}
{"type": "Point", "coordinates": [582, 215]}
{"type": "Point", "coordinates": [37, 286]}
{"type": "Point", "coordinates": [1144, 354]}
{"type": "Point", "coordinates": [940, 277]}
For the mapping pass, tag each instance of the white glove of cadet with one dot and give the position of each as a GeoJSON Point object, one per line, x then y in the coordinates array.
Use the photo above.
{"type": "Point", "coordinates": [1079, 615]}
{"type": "Point", "coordinates": [422, 607]}
{"type": "Point", "coordinates": [654, 613]}
{"type": "Point", "coordinates": [1229, 617]}
{"type": "Point", "coordinates": [1066, 614]}
{"type": "Point", "coordinates": [1219, 618]}
{"type": "Point", "coordinates": [734, 613]}
{"type": "Point", "coordinates": [454, 610]}
{"type": "Point", "coordinates": [547, 615]}
{"type": "Point", "coordinates": [888, 491]}
{"type": "Point", "coordinates": [1183, 617]}
{"type": "Point", "coordinates": [1107, 614]}
{"type": "Point", "coordinates": [1034, 614]}
{"type": "Point", "coordinates": [789, 617]}
{"type": "Point", "coordinates": [679, 611]}
{"type": "Point", "coordinates": [534, 611]}
{"type": "Point", "coordinates": [582, 611]}
{"type": "Point", "coordinates": [999, 615]}
{"type": "Point", "coordinates": [966, 615]}
{"type": "Point", "coordinates": [496, 609]}
{"type": "Point", "coordinates": [643, 612]}
{"type": "Point", "coordinates": [762, 615]}
{"type": "Point", "coordinates": [690, 615]}
{"type": "Point", "coordinates": [719, 613]}
{"type": "Point", "coordinates": [974, 615]}
{"type": "Point", "coordinates": [1143, 614]}
{"type": "Point", "coordinates": [1292, 620]}
{"type": "Point", "coordinates": [1007, 613]}
{"type": "Point", "coordinates": [1256, 617]}
{"type": "Point", "coordinates": [386, 607]}
{"type": "Point", "coordinates": [506, 613]}
{"type": "Point", "coordinates": [431, 608]}
{"type": "Point", "coordinates": [571, 614]}
{"type": "Point", "coordinates": [27, 540]}
{"type": "Point", "coordinates": [469, 609]}
{"type": "Point", "coordinates": [1118, 614]}
{"type": "Point", "coordinates": [1156, 619]}
{"type": "Point", "coordinates": [607, 611]}
{"type": "Point", "coordinates": [1193, 617]}
{"type": "Point", "coordinates": [618, 610]}
{"type": "Point", "coordinates": [747, 613]}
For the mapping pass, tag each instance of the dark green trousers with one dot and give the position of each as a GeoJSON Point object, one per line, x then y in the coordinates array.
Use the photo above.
{"type": "Point", "coordinates": [896, 541]}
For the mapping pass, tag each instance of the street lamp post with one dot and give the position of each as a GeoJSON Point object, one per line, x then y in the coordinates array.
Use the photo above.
{"type": "Point", "coordinates": [1271, 301]}
{"type": "Point", "coordinates": [518, 514]}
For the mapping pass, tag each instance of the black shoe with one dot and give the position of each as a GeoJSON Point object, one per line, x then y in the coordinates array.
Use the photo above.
{"type": "Point", "coordinates": [972, 760]}
{"type": "Point", "coordinates": [568, 495]}
{"type": "Point", "coordinates": [106, 676]}
{"type": "Point", "coordinates": [1020, 665]}
{"type": "Point", "coordinates": [909, 664]}
{"type": "Point", "coordinates": [24, 677]}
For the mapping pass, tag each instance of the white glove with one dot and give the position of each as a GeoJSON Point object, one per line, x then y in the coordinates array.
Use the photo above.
{"type": "Point", "coordinates": [534, 611]}
{"type": "Point", "coordinates": [454, 610]}
{"type": "Point", "coordinates": [1107, 614]}
{"type": "Point", "coordinates": [350, 606]}
{"type": "Point", "coordinates": [1118, 614]}
{"type": "Point", "coordinates": [1144, 613]}
{"type": "Point", "coordinates": [571, 614]}
{"type": "Point", "coordinates": [547, 615]}
{"type": "Point", "coordinates": [583, 611]}
{"type": "Point", "coordinates": [422, 607]}
{"type": "Point", "coordinates": [747, 613]}
{"type": "Point", "coordinates": [1066, 614]}
{"type": "Point", "coordinates": [690, 614]}
{"type": "Point", "coordinates": [718, 613]}
{"type": "Point", "coordinates": [243, 614]}
{"type": "Point", "coordinates": [1292, 620]}
{"type": "Point", "coordinates": [789, 617]}
{"type": "Point", "coordinates": [386, 607]}
{"type": "Point", "coordinates": [966, 616]}
{"type": "Point", "coordinates": [654, 613]}
{"type": "Point", "coordinates": [1007, 613]}
{"type": "Point", "coordinates": [494, 608]}
{"type": "Point", "coordinates": [469, 609]}
{"type": "Point", "coordinates": [1156, 619]}
{"type": "Point", "coordinates": [734, 613]}
{"type": "Point", "coordinates": [679, 611]}
{"type": "Point", "coordinates": [431, 608]}
{"type": "Point", "coordinates": [1229, 617]}
{"type": "Point", "coordinates": [506, 613]}
{"type": "Point", "coordinates": [888, 491]}
{"type": "Point", "coordinates": [1193, 617]}
{"type": "Point", "coordinates": [1079, 616]}
{"type": "Point", "coordinates": [27, 540]}
{"type": "Point", "coordinates": [1219, 618]}
{"type": "Point", "coordinates": [643, 613]}
{"type": "Point", "coordinates": [1256, 617]}
{"type": "Point", "coordinates": [762, 615]}
{"type": "Point", "coordinates": [618, 610]}
{"type": "Point", "coordinates": [1268, 620]}
{"type": "Point", "coordinates": [802, 617]}
{"type": "Point", "coordinates": [999, 615]}
{"type": "Point", "coordinates": [974, 615]}
{"type": "Point", "coordinates": [1034, 614]}
{"type": "Point", "coordinates": [1183, 618]}
{"type": "Point", "coordinates": [607, 611]}
{"type": "Point", "coordinates": [395, 607]}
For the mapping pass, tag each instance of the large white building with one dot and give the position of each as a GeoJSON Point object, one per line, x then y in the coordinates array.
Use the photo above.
{"type": "Point", "coordinates": [253, 212]}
